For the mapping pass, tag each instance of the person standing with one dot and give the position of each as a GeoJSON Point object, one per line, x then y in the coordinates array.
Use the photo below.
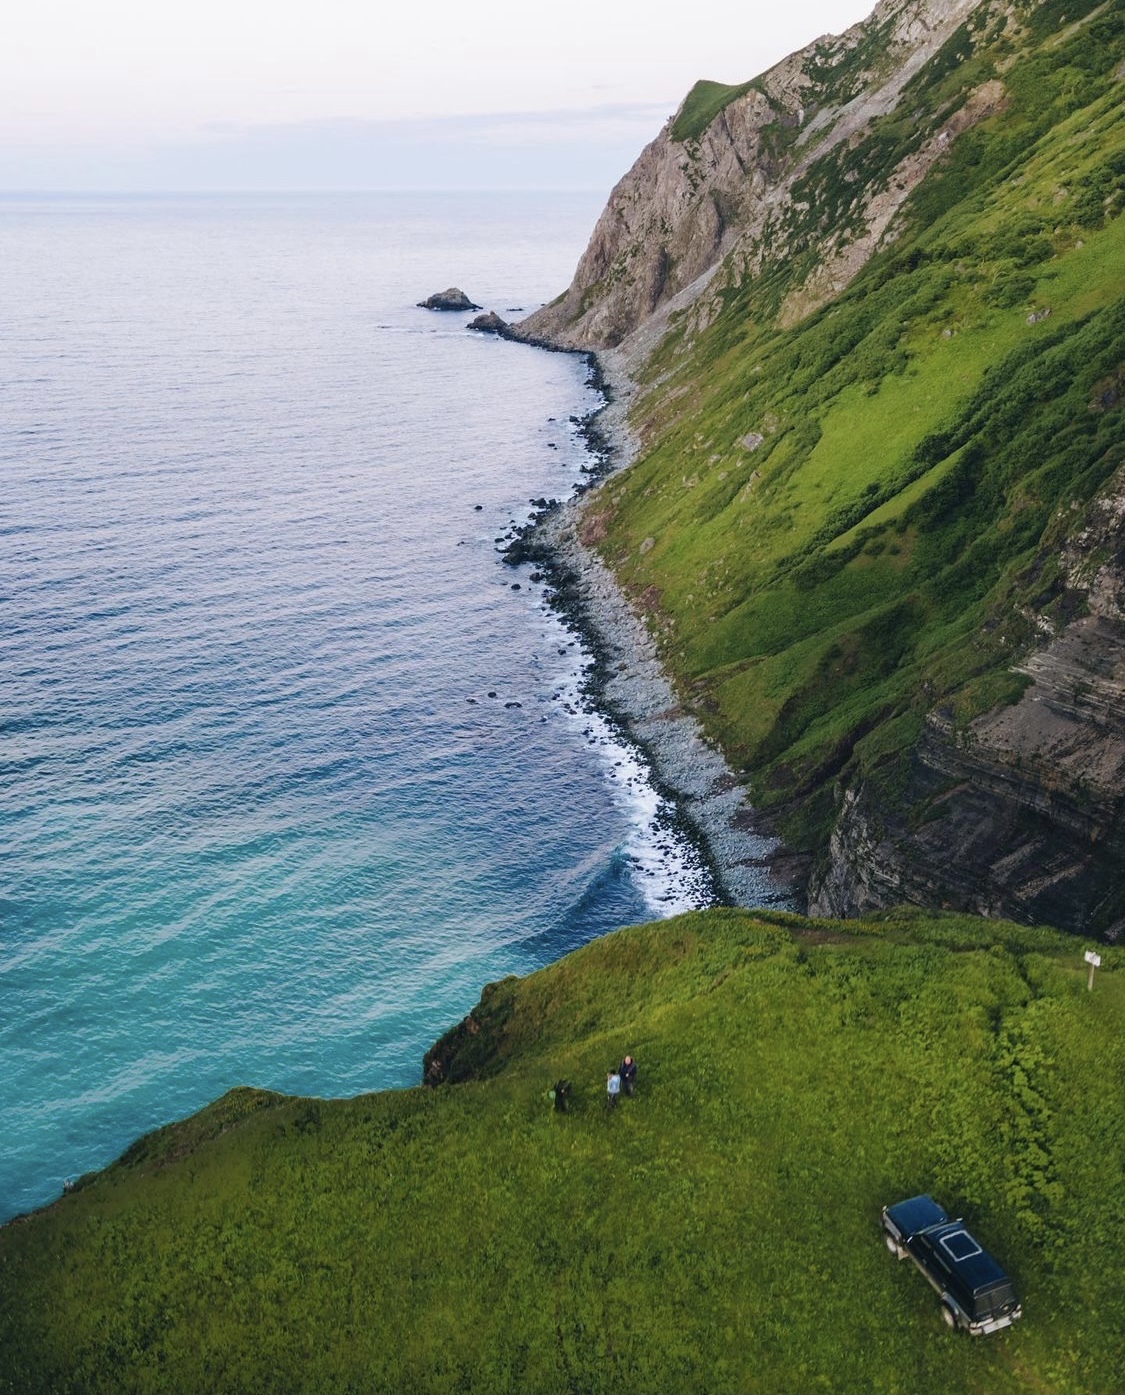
{"type": "Point", "coordinates": [612, 1089]}
{"type": "Point", "coordinates": [628, 1073]}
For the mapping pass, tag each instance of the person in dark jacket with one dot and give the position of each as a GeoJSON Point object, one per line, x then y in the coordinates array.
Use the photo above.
{"type": "Point", "coordinates": [628, 1073]}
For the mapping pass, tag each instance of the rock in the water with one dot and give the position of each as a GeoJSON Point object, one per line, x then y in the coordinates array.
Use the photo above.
{"type": "Point", "coordinates": [489, 324]}
{"type": "Point", "coordinates": [453, 298]}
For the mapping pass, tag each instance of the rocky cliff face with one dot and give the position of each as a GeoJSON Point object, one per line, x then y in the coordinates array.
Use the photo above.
{"type": "Point", "coordinates": [868, 244]}
{"type": "Point", "coordinates": [694, 196]}
{"type": "Point", "coordinates": [1022, 812]}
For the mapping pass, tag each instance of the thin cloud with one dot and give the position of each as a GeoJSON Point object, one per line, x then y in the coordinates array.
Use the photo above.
{"type": "Point", "coordinates": [586, 148]}
{"type": "Point", "coordinates": [611, 119]}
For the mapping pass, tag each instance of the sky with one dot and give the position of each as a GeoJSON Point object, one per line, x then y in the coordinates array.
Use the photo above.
{"type": "Point", "coordinates": [363, 94]}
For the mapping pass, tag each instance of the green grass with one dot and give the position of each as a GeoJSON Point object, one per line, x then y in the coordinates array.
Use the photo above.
{"type": "Point", "coordinates": [719, 1232]}
{"type": "Point", "coordinates": [881, 549]}
{"type": "Point", "coordinates": [701, 105]}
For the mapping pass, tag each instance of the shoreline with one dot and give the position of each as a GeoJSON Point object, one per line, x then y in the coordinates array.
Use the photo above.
{"type": "Point", "coordinates": [627, 682]}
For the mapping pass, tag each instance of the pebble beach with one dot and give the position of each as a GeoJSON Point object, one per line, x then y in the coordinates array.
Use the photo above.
{"type": "Point", "coordinates": [633, 687]}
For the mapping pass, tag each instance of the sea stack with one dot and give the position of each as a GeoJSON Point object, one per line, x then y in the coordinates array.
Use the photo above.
{"type": "Point", "coordinates": [490, 323]}
{"type": "Point", "coordinates": [452, 298]}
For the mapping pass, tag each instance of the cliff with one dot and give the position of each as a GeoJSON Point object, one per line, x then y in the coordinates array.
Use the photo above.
{"type": "Point", "coordinates": [727, 166]}
{"type": "Point", "coordinates": [868, 309]}
{"type": "Point", "coordinates": [1022, 806]}
{"type": "Point", "coordinates": [875, 524]}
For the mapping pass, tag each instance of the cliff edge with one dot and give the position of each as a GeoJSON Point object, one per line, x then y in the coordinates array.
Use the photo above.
{"type": "Point", "coordinates": [868, 310]}
{"type": "Point", "coordinates": [722, 171]}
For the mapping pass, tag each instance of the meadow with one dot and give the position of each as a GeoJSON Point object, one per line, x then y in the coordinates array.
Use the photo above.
{"type": "Point", "coordinates": [718, 1232]}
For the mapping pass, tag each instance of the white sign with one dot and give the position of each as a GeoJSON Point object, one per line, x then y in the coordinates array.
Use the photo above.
{"type": "Point", "coordinates": [1092, 958]}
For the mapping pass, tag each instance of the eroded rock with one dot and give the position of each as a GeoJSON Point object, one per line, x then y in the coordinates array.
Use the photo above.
{"type": "Point", "coordinates": [490, 323]}
{"type": "Point", "coordinates": [1021, 813]}
{"type": "Point", "coordinates": [452, 298]}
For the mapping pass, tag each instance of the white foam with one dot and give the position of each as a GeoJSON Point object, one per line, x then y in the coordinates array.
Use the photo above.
{"type": "Point", "coordinates": [668, 867]}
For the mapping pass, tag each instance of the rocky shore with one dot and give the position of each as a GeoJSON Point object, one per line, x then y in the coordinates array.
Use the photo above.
{"type": "Point", "coordinates": [627, 680]}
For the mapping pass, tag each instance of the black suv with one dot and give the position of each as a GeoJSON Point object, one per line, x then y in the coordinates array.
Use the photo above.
{"type": "Point", "coordinates": [975, 1292]}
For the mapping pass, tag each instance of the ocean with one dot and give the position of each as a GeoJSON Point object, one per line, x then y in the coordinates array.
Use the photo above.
{"type": "Point", "coordinates": [292, 763]}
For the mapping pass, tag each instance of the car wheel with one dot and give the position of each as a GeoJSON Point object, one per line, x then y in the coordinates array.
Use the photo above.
{"type": "Point", "coordinates": [893, 1245]}
{"type": "Point", "coordinates": [949, 1317]}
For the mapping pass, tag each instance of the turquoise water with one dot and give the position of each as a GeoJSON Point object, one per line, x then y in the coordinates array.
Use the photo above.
{"type": "Point", "coordinates": [262, 821]}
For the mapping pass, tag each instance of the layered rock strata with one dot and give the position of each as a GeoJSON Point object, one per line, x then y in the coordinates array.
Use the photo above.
{"type": "Point", "coordinates": [1022, 812]}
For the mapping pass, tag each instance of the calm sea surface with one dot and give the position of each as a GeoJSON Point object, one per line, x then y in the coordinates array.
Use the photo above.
{"type": "Point", "coordinates": [287, 770]}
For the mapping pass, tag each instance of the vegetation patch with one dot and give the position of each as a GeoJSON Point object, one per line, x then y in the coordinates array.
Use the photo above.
{"type": "Point", "coordinates": [701, 105]}
{"type": "Point", "coordinates": [882, 548]}
{"type": "Point", "coordinates": [719, 1231]}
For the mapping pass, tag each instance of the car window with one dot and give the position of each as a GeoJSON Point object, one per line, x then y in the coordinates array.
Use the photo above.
{"type": "Point", "coordinates": [959, 1244]}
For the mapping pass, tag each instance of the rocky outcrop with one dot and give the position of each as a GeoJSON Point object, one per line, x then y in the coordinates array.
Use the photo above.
{"type": "Point", "coordinates": [691, 200]}
{"type": "Point", "coordinates": [478, 1046]}
{"type": "Point", "coordinates": [491, 323]}
{"type": "Point", "coordinates": [1022, 811]}
{"type": "Point", "coordinates": [452, 298]}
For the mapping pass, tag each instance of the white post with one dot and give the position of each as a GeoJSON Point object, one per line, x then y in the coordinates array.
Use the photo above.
{"type": "Point", "coordinates": [1094, 961]}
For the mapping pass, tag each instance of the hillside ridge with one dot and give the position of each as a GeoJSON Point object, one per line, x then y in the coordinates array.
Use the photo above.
{"type": "Point", "coordinates": [687, 202]}
{"type": "Point", "coordinates": [719, 1231]}
{"type": "Point", "coordinates": [864, 314]}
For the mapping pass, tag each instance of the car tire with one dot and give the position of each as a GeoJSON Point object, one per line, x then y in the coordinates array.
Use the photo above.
{"type": "Point", "coordinates": [893, 1245]}
{"type": "Point", "coordinates": [949, 1317]}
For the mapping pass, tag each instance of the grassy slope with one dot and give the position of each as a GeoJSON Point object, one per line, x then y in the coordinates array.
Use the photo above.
{"type": "Point", "coordinates": [925, 447]}
{"type": "Point", "coordinates": [719, 1232]}
{"type": "Point", "coordinates": [701, 105]}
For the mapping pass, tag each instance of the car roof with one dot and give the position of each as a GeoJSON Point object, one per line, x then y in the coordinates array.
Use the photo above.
{"type": "Point", "coordinates": [965, 1257]}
